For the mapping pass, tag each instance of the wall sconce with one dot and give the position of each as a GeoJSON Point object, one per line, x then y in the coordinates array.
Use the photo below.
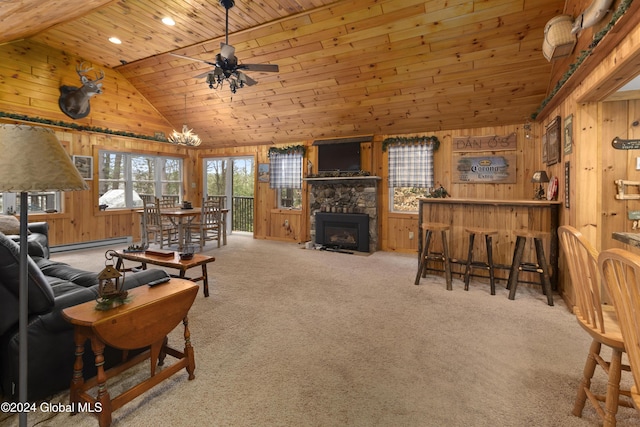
{"type": "Point", "coordinates": [527, 130]}
{"type": "Point", "coordinates": [539, 177]}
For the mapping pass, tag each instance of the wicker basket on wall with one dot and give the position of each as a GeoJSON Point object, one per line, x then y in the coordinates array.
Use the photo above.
{"type": "Point", "coordinates": [558, 40]}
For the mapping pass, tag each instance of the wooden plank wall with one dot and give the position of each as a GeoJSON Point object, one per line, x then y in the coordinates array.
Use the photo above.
{"type": "Point", "coordinates": [31, 76]}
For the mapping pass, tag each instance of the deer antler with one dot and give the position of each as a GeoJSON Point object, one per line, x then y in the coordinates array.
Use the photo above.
{"type": "Point", "coordinates": [81, 70]}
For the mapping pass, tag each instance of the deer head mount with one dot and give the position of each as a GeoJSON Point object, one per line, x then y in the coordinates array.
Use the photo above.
{"type": "Point", "coordinates": [74, 101]}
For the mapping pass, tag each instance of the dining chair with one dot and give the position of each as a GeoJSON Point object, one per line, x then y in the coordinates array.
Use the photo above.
{"type": "Point", "coordinates": [154, 224]}
{"type": "Point", "coordinates": [167, 202]}
{"type": "Point", "coordinates": [220, 201]}
{"type": "Point", "coordinates": [208, 226]}
{"type": "Point", "coordinates": [620, 271]}
{"type": "Point", "coordinates": [601, 323]}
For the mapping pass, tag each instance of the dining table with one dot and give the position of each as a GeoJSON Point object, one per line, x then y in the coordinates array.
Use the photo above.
{"type": "Point", "coordinates": [182, 219]}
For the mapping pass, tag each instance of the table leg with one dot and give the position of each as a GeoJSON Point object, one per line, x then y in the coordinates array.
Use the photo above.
{"type": "Point", "coordinates": [77, 381]}
{"type": "Point", "coordinates": [205, 280]}
{"type": "Point", "coordinates": [188, 349]}
{"type": "Point", "coordinates": [104, 418]}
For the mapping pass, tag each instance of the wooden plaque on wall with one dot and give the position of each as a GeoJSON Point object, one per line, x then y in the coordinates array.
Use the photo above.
{"type": "Point", "coordinates": [498, 169]}
{"type": "Point", "coordinates": [485, 143]}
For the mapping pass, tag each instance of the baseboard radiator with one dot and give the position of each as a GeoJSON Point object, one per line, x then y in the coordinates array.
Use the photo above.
{"type": "Point", "coordinates": [91, 244]}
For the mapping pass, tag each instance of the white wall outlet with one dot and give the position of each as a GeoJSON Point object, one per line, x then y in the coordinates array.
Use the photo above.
{"type": "Point", "coordinates": [286, 222]}
{"type": "Point", "coordinates": [411, 235]}
{"type": "Point", "coordinates": [638, 163]}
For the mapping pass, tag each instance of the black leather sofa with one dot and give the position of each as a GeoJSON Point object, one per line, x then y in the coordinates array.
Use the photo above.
{"type": "Point", "coordinates": [53, 286]}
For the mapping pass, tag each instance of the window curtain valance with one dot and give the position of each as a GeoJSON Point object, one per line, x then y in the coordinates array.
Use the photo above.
{"type": "Point", "coordinates": [411, 165]}
{"type": "Point", "coordinates": [414, 140]}
{"type": "Point", "coordinates": [286, 167]}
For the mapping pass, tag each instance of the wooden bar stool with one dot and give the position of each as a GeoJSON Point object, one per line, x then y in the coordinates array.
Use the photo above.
{"type": "Point", "coordinates": [428, 228]}
{"type": "Point", "coordinates": [471, 263]}
{"type": "Point", "coordinates": [541, 267]}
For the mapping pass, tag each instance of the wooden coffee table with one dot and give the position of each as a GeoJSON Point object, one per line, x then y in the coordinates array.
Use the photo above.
{"type": "Point", "coordinates": [173, 261]}
{"type": "Point", "coordinates": [145, 320]}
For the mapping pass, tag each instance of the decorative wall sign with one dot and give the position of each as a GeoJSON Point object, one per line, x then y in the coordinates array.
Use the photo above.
{"type": "Point", "coordinates": [568, 134]}
{"type": "Point", "coordinates": [488, 169]}
{"type": "Point", "coordinates": [625, 144]}
{"type": "Point", "coordinates": [553, 141]}
{"type": "Point", "coordinates": [567, 171]}
{"type": "Point", "coordinates": [485, 143]}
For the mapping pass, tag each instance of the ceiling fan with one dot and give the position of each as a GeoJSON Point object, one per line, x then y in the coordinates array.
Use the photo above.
{"type": "Point", "coordinates": [226, 65]}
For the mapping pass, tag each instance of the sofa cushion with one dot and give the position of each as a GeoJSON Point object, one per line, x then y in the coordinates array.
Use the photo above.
{"type": "Point", "coordinates": [9, 224]}
{"type": "Point", "coordinates": [66, 272]}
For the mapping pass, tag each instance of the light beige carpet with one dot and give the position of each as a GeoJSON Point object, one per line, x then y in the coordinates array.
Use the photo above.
{"type": "Point", "coordinates": [294, 337]}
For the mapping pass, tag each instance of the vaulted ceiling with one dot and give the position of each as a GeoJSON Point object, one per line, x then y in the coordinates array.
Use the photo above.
{"type": "Point", "coordinates": [347, 68]}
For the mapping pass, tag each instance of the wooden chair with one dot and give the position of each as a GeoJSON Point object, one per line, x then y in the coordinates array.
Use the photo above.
{"type": "Point", "coordinates": [161, 229]}
{"type": "Point", "coordinates": [167, 202]}
{"type": "Point", "coordinates": [620, 271]}
{"type": "Point", "coordinates": [220, 201]}
{"type": "Point", "coordinates": [600, 322]}
{"type": "Point", "coordinates": [208, 226]}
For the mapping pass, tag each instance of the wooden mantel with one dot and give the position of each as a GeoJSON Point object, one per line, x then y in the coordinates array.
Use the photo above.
{"type": "Point", "coordinates": [342, 178]}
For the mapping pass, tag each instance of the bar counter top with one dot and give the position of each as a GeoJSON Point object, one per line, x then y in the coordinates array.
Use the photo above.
{"type": "Point", "coordinates": [495, 202]}
{"type": "Point", "coordinates": [632, 239]}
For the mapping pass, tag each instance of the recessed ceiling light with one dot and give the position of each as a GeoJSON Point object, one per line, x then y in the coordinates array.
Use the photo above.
{"type": "Point", "coordinates": [168, 21]}
{"type": "Point", "coordinates": [115, 40]}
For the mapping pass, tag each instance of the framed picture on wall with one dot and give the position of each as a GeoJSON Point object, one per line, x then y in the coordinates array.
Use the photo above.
{"type": "Point", "coordinates": [553, 141]}
{"type": "Point", "coordinates": [84, 164]}
{"type": "Point", "coordinates": [263, 172]}
{"type": "Point", "coordinates": [568, 134]}
{"type": "Point", "coordinates": [545, 149]}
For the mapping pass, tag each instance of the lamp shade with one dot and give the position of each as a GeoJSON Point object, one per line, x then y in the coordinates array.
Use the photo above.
{"type": "Point", "coordinates": [34, 160]}
{"type": "Point", "coordinates": [540, 176]}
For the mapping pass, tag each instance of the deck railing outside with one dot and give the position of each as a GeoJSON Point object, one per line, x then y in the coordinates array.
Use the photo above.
{"type": "Point", "coordinates": [242, 213]}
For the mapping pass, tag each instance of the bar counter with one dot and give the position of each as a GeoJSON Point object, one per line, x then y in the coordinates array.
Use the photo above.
{"type": "Point", "coordinates": [503, 215]}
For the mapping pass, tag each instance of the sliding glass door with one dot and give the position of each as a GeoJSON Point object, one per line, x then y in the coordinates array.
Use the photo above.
{"type": "Point", "coordinates": [233, 178]}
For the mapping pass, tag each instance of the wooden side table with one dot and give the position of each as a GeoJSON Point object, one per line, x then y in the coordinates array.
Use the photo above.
{"type": "Point", "coordinates": [173, 261]}
{"type": "Point", "coordinates": [146, 320]}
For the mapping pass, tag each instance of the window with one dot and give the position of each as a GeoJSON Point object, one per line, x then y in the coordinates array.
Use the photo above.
{"type": "Point", "coordinates": [39, 202]}
{"type": "Point", "coordinates": [410, 175]}
{"type": "Point", "coordinates": [127, 178]}
{"type": "Point", "coordinates": [286, 178]}
{"type": "Point", "coordinates": [290, 198]}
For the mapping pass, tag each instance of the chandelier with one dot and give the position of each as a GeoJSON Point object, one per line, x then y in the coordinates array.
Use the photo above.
{"type": "Point", "coordinates": [186, 137]}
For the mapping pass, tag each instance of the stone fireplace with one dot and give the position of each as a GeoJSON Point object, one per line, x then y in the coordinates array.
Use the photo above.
{"type": "Point", "coordinates": [341, 197]}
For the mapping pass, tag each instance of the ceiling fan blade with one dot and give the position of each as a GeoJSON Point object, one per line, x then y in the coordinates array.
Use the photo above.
{"type": "Point", "coordinates": [246, 79]}
{"type": "Point", "coordinates": [227, 51]}
{"type": "Point", "coordinates": [273, 68]}
{"type": "Point", "coordinates": [192, 59]}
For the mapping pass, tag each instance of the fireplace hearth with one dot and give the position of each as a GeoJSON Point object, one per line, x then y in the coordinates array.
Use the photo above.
{"type": "Point", "coordinates": [346, 196]}
{"type": "Point", "coordinates": [343, 231]}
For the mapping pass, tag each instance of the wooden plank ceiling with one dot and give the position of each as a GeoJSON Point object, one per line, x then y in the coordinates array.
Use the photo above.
{"type": "Point", "coordinates": [347, 68]}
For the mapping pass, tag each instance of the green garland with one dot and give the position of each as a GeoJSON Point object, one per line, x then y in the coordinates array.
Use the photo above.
{"type": "Point", "coordinates": [287, 150]}
{"type": "Point", "coordinates": [583, 55]}
{"type": "Point", "coordinates": [412, 140]}
{"type": "Point", "coordinates": [78, 127]}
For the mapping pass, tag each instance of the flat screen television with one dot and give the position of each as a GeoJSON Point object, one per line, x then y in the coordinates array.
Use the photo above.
{"type": "Point", "coordinates": [343, 157]}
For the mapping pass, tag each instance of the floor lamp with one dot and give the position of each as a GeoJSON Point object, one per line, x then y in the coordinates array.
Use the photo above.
{"type": "Point", "coordinates": [32, 160]}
